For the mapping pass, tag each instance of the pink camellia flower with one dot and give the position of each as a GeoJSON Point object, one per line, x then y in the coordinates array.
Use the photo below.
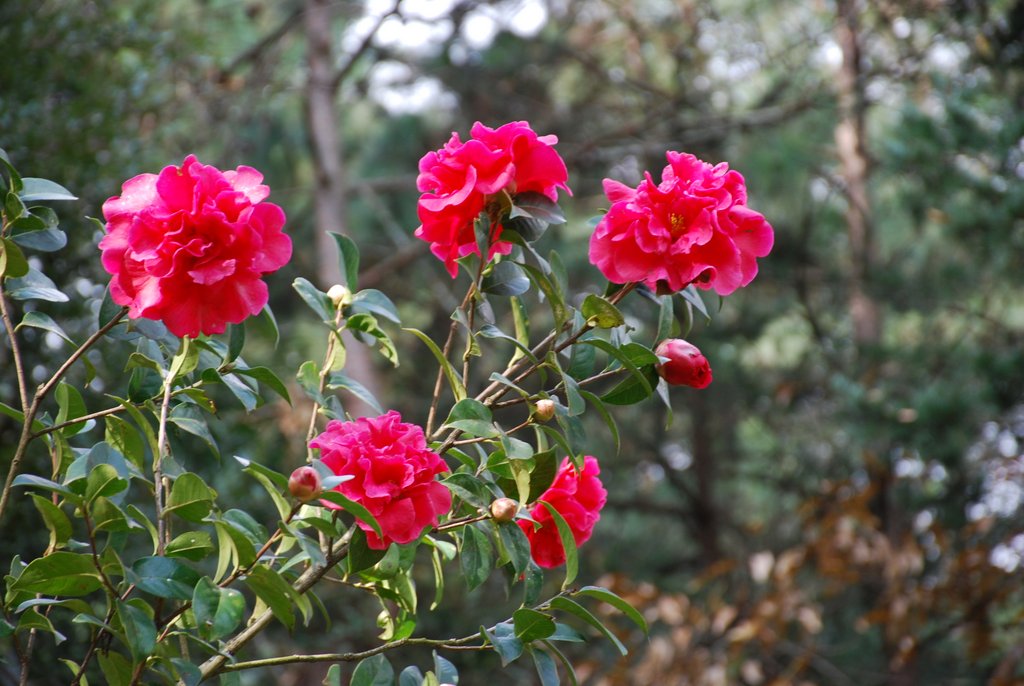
{"type": "Point", "coordinates": [394, 474]}
{"type": "Point", "coordinates": [578, 497]}
{"type": "Point", "coordinates": [685, 366]}
{"type": "Point", "coordinates": [189, 246]}
{"type": "Point", "coordinates": [460, 180]}
{"type": "Point", "coordinates": [693, 227]}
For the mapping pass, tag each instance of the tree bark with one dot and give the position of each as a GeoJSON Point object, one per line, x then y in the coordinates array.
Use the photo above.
{"type": "Point", "coordinates": [325, 145]}
{"type": "Point", "coordinates": [854, 168]}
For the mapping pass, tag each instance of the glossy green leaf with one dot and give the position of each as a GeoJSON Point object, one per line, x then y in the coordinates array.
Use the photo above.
{"type": "Point", "coordinates": [34, 285]}
{"type": "Point", "coordinates": [338, 380]}
{"type": "Point", "coordinates": [445, 670]}
{"type": "Point", "coordinates": [568, 544]}
{"type": "Point", "coordinates": [34, 190]}
{"type": "Point", "coordinates": [373, 671]}
{"type": "Point", "coordinates": [12, 261]}
{"type": "Point", "coordinates": [274, 591]}
{"type": "Point", "coordinates": [502, 637]}
{"type": "Point", "coordinates": [59, 574]}
{"type": "Point", "coordinates": [472, 417]}
{"type": "Point", "coordinates": [125, 439]}
{"type": "Point", "coordinates": [192, 419]}
{"type": "Point", "coordinates": [375, 302]}
{"type": "Point", "coordinates": [506, 278]}
{"type": "Point", "coordinates": [218, 611]}
{"type": "Point", "coordinates": [191, 545]}
{"type": "Point", "coordinates": [190, 498]}
{"type": "Point", "coordinates": [516, 545]}
{"type": "Point", "coordinates": [45, 484]}
{"type": "Point", "coordinates": [315, 298]}
{"type": "Point", "coordinates": [103, 481]}
{"type": "Point", "coordinates": [40, 320]}
{"type": "Point", "coordinates": [57, 522]}
{"type": "Point", "coordinates": [43, 240]}
{"type": "Point", "coordinates": [477, 559]}
{"type": "Point", "coordinates": [410, 676]}
{"type": "Point", "coordinates": [546, 669]}
{"type": "Point", "coordinates": [139, 629]}
{"type": "Point", "coordinates": [236, 342]}
{"type": "Point", "coordinates": [266, 377]}
{"type": "Point", "coordinates": [352, 508]}
{"type": "Point", "coordinates": [531, 625]}
{"type": "Point", "coordinates": [348, 259]}
{"type": "Point", "coordinates": [116, 668]}
{"type": "Point", "coordinates": [367, 324]}
{"type": "Point", "coordinates": [574, 608]}
{"type": "Point", "coordinates": [34, 620]}
{"type": "Point", "coordinates": [606, 596]}
{"type": "Point", "coordinates": [164, 577]}
{"type": "Point", "coordinates": [600, 313]}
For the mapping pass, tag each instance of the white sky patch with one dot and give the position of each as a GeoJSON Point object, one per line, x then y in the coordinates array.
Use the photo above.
{"type": "Point", "coordinates": [421, 30]}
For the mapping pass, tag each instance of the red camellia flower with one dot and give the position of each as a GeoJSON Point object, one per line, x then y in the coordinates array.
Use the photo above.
{"type": "Point", "coordinates": [686, 366]}
{"type": "Point", "coordinates": [693, 227]}
{"type": "Point", "coordinates": [394, 474]}
{"type": "Point", "coordinates": [189, 246]}
{"type": "Point", "coordinates": [578, 497]}
{"type": "Point", "coordinates": [459, 180]}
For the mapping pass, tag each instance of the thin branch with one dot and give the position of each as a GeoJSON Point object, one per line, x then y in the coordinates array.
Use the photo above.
{"type": "Point", "coordinates": [254, 52]}
{"type": "Point", "coordinates": [19, 368]}
{"type": "Point", "coordinates": [350, 63]}
{"type": "Point", "coordinates": [158, 477]}
{"type": "Point", "coordinates": [451, 643]}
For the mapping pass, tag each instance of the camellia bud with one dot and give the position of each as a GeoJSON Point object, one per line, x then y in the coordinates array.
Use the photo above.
{"type": "Point", "coordinates": [685, 366]}
{"type": "Point", "coordinates": [339, 295]}
{"type": "Point", "coordinates": [504, 509]}
{"type": "Point", "coordinates": [544, 410]}
{"type": "Point", "coordinates": [305, 484]}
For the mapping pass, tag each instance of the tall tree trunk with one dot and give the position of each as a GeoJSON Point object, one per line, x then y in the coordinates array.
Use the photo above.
{"type": "Point", "coordinates": [853, 161]}
{"type": "Point", "coordinates": [322, 124]}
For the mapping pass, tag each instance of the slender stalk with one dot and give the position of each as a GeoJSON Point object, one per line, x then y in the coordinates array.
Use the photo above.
{"type": "Point", "coordinates": [451, 643]}
{"type": "Point", "coordinates": [19, 368]}
{"type": "Point", "coordinates": [37, 400]}
{"type": "Point", "coordinates": [332, 341]}
{"type": "Point", "coordinates": [445, 351]}
{"type": "Point", "coordinates": [158, 476]}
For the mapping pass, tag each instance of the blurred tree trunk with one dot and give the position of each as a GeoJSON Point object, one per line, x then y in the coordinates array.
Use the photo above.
{"type": "Point", "coordinates": [854, 168]}
{"type": "Point", "coordinates": [322, 130]}
{"type": "Point", "coordinates": [705, 513]}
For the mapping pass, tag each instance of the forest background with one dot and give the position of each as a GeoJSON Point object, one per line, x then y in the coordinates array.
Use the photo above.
{"type": "Point", "coordinates": [843, 504]}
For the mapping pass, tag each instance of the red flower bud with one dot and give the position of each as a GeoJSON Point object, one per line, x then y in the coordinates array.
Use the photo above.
{"type": "Point", "coordinates": [686, 366]}
{"type": "Point", "coordinates": [504, 509]}
{"type": "Point", "coordinates": [305, 483]}
{"type": "Point", "coordinates": [545, 410]}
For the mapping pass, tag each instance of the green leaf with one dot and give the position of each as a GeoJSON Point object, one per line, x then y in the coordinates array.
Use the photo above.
{"type": "Point", "coordinates": [34, 190]}
{"type": "Point", "coordinates": [308, 377]}
{"type": "Point", "coordinates": [339, 380]}
{"type": "Point", "coordinates": [506, 645]}
{"type": "Point", "coordinates": [103, 481]}
{"type": "Point", "coordinates": [568, 544]}
{"type": "Point", "coordinates": [267, 377]}
{"type": "Point", "coordinates": [32, 619]}
{"type": "Point", "coordinates": [333, 677]}
{"type": "Point", "coordinates": [360, 555]}
{"type": "Point", "coordinates": [506, 278]}
{"type": "Point", "coordinates": [59, 574]}
{"type": "Point", "coordinates": [374, 302]}
{"type": "Point", "coordinates": [531, 625]}
{"type": "Point", "coordinates": [477, 558]}
{"type": "Point", "coordinates": [348, 259]}
{"type": "Point", "coordinates": [39, 320]}
{"type": "Point", "coordinates": [139, 629]}
{"type": "Point", "coordinates": [410, 676]}
{"type": "Point", "coordinates": [454, 379]}
{"type": "Point", "coordinates": [546, 669]}
{"type": "Point", "coordinates": [47, 485]}
{"type": "Point", "coordinates": [538, 206]}
{"type": "Point", "coordinates": [445, 670]}
{"type": "Point", "coordinates": [367, 324]}
{"type": "Point", "coordinates": [185, 360]}
{"type": "Point", "coordinates": [191, 545]}
{"type": "Point", "coordinates": [373, 671]}
{"type": "Point", "coordinates": [600, 313]}
{"type": "Point", "coordinates": [634, 389]}
{"type": "Point", "coordinates": [57, 523]}
{"type": "Point", "coordinates": [468, 488]}
{"type": "Point", "coordinates": [35, 285]}
{"type": "Point", "coordinates": [605, 415]}
{"type": "Point", "coordinates": [236, 341]}
{"type": "Point", "coordinates": [12, 261]}
{"type": "Point", "coordinates": [315, 298]}
{"type": "Point", "coordinates": [516, 544]}
{"type": "Point", "coordinates": [273, 590]}
{"type": "Point", "coordinates": [191, 418]}
{"type": "Point", "coordinates": [190, 498]}
{"type": "Point", "coordinates": [353, 508]}
{"type": "Point", "coordinates": [44, 240]}
{"type": "Point", "coordinates": [217, 610]}
{"type": "Point", "coordinates": [108, 517]}
{"type": "Point", "coordinates": [606, 596]}
{"type": "Point", "coordinates": [472, 417]}
{"type": "Point", "coordinates": [572, 607]}
{"type": "Point", "coordinates": [164, 577]}
{"type": "Point", "coordinates": [19, 416]}
{"type": "Point", "coordinates": [116, 668]}
{"type": "Point", "coordinates": [126, 440]}
{"type": "Point", "coordinates": [691, 295]}
{"type": "Point", "coordinates": [278, 479]}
